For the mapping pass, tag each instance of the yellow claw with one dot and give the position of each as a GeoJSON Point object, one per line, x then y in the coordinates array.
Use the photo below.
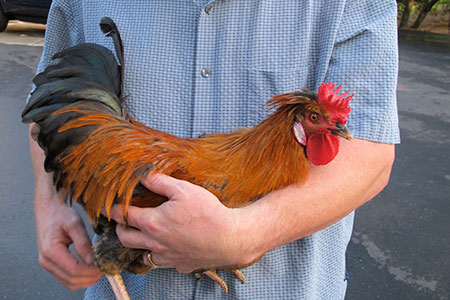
{"type": "Point", "coordinates": [238, 274]}
{"type": "Point", "coordinates": [213, 275]}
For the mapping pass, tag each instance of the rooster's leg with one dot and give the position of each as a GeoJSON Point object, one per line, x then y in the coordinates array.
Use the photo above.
{"type": "Point", "coordinates": [118, 287]}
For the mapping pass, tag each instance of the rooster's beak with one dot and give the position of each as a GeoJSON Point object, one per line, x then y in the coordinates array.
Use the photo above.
{"type": "Point", "coordinates": [342, 131]}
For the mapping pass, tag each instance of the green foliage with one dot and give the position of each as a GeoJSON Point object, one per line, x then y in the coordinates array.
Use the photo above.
{"type": "Point", "coordinates": [441, 5]}
{"type": "Point", "coordinates": [421, 8]}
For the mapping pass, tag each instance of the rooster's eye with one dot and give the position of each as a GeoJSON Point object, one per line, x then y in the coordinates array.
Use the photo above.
{"type": "Point", "coordinates": [314, 117]}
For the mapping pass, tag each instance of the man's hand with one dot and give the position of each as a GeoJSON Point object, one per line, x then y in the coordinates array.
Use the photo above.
{"type": "Point", "coordinates": [190, 231]}
{"type": "Point", "coordinates": [58, 226]}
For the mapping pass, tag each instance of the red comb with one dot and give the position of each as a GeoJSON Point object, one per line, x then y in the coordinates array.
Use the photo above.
{"type": "Point", "coordinates": [337, 106]}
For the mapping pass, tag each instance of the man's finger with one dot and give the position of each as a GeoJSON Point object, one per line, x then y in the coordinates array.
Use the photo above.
{"type": "Point", "coordinates": [134, 218]}
{"type": "Point", "coordinates": [70, 265]}
{"type": "Point", "coordinates": [75, 283]}
{"type": "Point", "coordinates": [131, 237]}
{"type": "Point", "coordinates": [82, 243]}
{"type": "Point", "coordinates": [155, 261]}
{"type": "Point", "coordinates": [161, 184]}
{"type": "Point", "coordinates": [69, 271]}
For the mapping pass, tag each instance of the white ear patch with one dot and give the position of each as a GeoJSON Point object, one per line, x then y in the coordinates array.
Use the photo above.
{"type": "Point", "coordinates": [299, 133]}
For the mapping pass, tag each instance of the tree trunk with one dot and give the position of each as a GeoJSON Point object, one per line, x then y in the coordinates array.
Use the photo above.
{"type": "Point", "coordinates": [448, 7]}
{"type": "Point", "coordinates": [405, 14]}
{"type": "Point", "coordinates": [423, 13]}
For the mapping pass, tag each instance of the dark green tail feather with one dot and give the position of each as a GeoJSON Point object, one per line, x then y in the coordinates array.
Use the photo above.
{"type": "Point", "coordinates": [85, 74]}
{"type": "Point", "coordinates": [82, 69]}
{"type": "Point", "coordinates": [109, 28]}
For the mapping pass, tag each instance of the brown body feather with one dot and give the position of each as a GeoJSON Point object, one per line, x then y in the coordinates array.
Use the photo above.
{"type": "Point", "coordinates": [237, 167]}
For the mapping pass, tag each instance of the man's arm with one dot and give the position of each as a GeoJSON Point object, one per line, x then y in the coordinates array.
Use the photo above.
{"type": "Point", "coordinates": [359, 172]}
{"type": "Point", "coordinates": [58, 226]}
{"type": "Point", "coordinates": [193, 230]}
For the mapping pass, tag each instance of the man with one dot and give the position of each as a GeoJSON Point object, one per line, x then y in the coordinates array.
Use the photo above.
{"type": "Point", "coordinates": [209, 66]}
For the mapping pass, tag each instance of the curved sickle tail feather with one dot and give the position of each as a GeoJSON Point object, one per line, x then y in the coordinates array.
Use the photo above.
{"type": "Point", "coordinates": [109, 28]}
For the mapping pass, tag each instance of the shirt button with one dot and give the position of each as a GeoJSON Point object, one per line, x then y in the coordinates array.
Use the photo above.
{"type": "Point", "coordinates": [209, 9]}
{"type": "Point", "coordinates": [205, 73]}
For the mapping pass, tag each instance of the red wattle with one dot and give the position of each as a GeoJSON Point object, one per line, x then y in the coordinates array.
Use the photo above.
{"type": "Point", "coordinates": [322, 148]}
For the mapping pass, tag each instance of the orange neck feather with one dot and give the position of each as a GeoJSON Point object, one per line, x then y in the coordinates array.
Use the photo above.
{"type": "Point", "coordinates": [260, 159]}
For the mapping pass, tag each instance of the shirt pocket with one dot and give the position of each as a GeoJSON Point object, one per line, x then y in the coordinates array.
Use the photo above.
{"type": "Point", "coordinates": [264, 84]}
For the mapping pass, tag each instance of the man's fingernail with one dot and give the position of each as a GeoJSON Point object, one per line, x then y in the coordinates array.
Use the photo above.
{"type": "Point", "coordinates": [89, 260]}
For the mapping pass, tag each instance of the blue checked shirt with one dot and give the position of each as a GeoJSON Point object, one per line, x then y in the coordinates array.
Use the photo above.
{"type": "Point", "coordinates": [197, 66]}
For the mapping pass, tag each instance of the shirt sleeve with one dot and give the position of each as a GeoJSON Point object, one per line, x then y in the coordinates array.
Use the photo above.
{"type": "Point", "coordinates": [365, 61]}
{"type": "Point", "coordinates": [63, 31]}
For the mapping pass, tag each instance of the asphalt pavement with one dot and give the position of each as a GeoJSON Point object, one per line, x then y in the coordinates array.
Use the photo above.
{"type": "Point", "coordinates": [401, 246]}
{"type": "Point", "coordinates": [21, 277]}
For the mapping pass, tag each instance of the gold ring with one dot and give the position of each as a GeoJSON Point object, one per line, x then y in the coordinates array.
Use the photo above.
{"type": "Point", "coordinates": [149, 258]}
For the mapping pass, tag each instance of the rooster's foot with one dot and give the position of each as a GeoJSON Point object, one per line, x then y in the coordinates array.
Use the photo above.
{"type": "Point", "coordinates": [212, 274]}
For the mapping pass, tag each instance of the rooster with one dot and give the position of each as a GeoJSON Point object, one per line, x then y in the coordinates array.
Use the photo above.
{"type": "Point", "coordinates": [97, 152]}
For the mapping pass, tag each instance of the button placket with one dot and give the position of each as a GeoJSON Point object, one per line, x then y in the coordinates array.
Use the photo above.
{"type": "Point", "coordinates": [203, 107]}
{"type": "Point", "coordinates": [208, 9]}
